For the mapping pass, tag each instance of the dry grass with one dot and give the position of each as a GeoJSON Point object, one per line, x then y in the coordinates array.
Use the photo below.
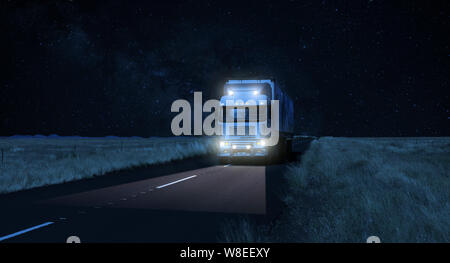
{"type": "Point", "coordinates": [32, 162]}
{"type": "Point", "coordinates": [346, 189]}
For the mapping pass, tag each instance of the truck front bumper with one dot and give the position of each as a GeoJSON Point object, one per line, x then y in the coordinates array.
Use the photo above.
{"type": "Point", "coordinates": [229, 152]}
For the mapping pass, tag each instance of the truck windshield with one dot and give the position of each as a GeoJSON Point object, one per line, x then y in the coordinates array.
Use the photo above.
{"type": "Point", "coordinates": [245, 113]}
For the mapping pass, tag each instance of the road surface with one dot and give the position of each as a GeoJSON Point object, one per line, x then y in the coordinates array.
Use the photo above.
{"type": "Point", "coordinates": [178, 202]}
{"type": "Point", "coordinates": [218, 188]}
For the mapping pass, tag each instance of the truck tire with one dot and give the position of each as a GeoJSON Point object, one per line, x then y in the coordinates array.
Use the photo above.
{"type": "Point", "coordinates": [289, 153]}
{"type": "Point", "coordinates": [282, 151]}
{"type": "Point", "coordinates": [224, 160]}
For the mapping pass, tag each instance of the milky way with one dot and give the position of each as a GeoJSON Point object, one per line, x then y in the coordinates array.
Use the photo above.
{"type": "Point", "coordinates": [372, 68]}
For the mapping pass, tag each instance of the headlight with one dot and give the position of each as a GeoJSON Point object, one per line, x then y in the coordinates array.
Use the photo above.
{"type": "Point", "coordinates": [248, 147]}
{"type": "Point", "coordinates": [234, 146]}
{"type": "Point", "coordinates": [261, 143]}
{"type": "Point", "coordinates": [230, 92]}
{"type": "Point", "coordinates": [223, 143]}
{"type": "Point", "coordinates": [256, 92]}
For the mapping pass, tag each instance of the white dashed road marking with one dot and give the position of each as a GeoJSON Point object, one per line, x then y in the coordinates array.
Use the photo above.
{"type": "Point", "coordinates": [177, 181]}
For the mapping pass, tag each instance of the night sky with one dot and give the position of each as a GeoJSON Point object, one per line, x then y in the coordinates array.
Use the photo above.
{"type": "Point", "coordinates": [97, 68]}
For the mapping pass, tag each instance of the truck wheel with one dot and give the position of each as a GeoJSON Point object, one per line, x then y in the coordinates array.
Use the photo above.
{"type": "Point", "coordinates": [281, 151]}
{"type": "Point", "coordinates": [290, 155]}
{"type": "Point", "coordinates": [224, 160]}
{"type": "Point", "coordinates": [266, 160]}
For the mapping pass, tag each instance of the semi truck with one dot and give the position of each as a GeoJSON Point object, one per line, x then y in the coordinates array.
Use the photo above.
{"type": "Point", "coordinates": [243, 105]}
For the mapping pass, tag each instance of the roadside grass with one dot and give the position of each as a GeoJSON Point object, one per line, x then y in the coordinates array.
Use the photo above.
{"type": "Point", "coordinates": [347, 189]}
{"type": "Point", "coordinates": [33, 162]}
{"type": "Point", "coordinates": [240, 231]}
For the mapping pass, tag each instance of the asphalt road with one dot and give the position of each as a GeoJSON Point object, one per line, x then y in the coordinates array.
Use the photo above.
{"type": "Point", "coordinates": [218, 188]}
{"type": "Point", "coordinates": [186, 201]}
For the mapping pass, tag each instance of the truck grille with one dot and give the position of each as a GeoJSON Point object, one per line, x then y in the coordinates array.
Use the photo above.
{"type": "Point", "coordinates": [248, 130]}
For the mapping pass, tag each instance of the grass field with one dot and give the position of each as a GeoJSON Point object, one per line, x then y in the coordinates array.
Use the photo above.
{"type": "Point", "coordinates": [347, 189]}
{"type": "Point", "coordinates": [33, 162]}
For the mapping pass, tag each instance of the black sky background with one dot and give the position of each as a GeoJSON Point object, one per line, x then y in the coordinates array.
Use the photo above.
{"type": "Point", "coordinates": [96, 68]}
